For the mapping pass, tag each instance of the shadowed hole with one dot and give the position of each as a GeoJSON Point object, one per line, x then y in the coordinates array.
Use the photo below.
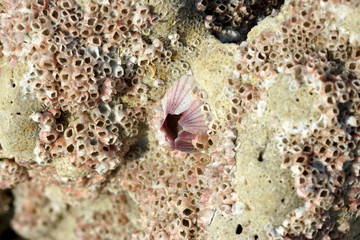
{"type": "Point", "coordinates": [171, 126]}
{"type": "Point", "coordinates": [239, 229]}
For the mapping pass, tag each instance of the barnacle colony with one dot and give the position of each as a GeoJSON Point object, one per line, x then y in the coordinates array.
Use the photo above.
{"type": "Point", "coordinates": [291, 99]}
{"type": "Point", "coordinates": [181, 119]}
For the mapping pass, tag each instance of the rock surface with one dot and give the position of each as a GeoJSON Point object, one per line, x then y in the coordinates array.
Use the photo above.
{"type": "Point", "coordinates": [82, 143]}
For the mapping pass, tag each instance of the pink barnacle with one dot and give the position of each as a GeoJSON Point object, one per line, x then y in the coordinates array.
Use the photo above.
{"type": "Point", "coordinates": [182, 120]}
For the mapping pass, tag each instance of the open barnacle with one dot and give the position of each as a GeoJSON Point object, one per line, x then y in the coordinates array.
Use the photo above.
{"type": "Point", "coordinates": [182, 119]}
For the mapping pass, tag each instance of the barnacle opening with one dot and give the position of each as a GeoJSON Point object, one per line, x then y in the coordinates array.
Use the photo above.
{"type": "Point", "coordinates": [171, 126]}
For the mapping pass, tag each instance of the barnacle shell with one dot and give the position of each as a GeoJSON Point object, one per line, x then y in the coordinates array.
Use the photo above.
{"type": "Point", "coordinates": [182, 119]}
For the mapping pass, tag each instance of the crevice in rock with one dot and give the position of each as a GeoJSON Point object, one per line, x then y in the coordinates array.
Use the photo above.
{"type": "Point", "coordinates": [6, 232]}
{"type": "Point", "coordinates": [231, 20]}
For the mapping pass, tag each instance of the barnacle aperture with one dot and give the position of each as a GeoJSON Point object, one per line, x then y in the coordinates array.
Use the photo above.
{"type": "Point", "coordinates": [171, 126]}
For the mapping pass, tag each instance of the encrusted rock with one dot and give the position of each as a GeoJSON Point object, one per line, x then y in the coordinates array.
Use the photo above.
{"type": "Point", "coordinates": [134, 120]}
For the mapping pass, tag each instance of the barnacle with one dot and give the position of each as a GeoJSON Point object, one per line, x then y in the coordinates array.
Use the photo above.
{"type": "Point", "coordinates": [182, 119]}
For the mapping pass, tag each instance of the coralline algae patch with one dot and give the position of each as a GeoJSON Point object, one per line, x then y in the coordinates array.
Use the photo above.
{"type": "Point", "coordinates": [123, 132]}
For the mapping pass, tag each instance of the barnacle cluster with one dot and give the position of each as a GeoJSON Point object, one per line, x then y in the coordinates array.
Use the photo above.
{"type": "Point", "coordinates": [81, 61]}
{"type": "Point", "coordinates": [231, 20]}
{"type": "Point", "coordinates": [11, 174]}
{"type": "Point", "coordinates": [179, 200]}
{"type": "Point", "coordinates": [94, 141]}
{"type": "Point", "coordinates": [323, 153]}
{"type": "Point", "coordinates": [135, 122]}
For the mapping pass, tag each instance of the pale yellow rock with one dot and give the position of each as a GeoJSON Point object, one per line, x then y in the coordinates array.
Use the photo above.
{"type": "Point", "coordinates": [65, 169]}
{"type": "Point", "coordinates": [263, 187]}
{"type": "Point", "coordinates": [18, 133]}
{"type": "Point", "coordinates": [297, 108]}
{"type": "Point", "coordinates": [351, 20]}
{"type": "Point", "coordinates": [224, 227]}
{"type": "Point", "coordinates": [211, 68]}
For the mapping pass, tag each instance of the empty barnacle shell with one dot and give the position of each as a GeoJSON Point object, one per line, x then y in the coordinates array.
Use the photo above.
{"type": "Point", "coordinates": [182, 119]}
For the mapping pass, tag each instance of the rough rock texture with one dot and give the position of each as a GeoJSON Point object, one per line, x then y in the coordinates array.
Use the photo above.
{"type": "Point", "coordinates": [83, 150]}
{"type": "Point", "coordinates": [15, 111]}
